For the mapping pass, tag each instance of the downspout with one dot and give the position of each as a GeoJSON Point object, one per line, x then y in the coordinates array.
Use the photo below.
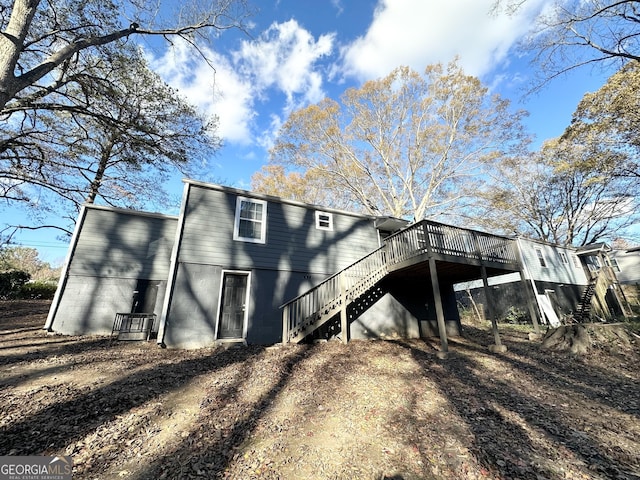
{"type": "Point", "coordinates": [173, 266]}
{"type": "Point", "coordinates": [62, 281]}
{"type": "Point", "coordinates": [528, 275]}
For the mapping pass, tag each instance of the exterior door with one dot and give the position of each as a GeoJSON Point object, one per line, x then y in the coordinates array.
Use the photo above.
{"type": "Point", "coordinates": [144, 296]}
{"type": "Point", "coordinates": [232, 308]}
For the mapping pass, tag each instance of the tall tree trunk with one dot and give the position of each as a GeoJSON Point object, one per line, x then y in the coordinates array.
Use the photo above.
{"type": "Point", "coordinates": [11, 44]}
{"type": "Point", "coordinates": [96, 183]}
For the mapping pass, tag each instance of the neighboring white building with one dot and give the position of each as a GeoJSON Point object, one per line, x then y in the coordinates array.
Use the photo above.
{"type": "Point", "coordinates": [558, 277]}
{"type": "Point", "coordinates": [626, 265]}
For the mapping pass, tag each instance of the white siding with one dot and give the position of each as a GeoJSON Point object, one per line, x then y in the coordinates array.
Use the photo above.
{"type": "Point", "coordinates": [629, 264]}
{"type": "Point", "coordinates": [556, 270]}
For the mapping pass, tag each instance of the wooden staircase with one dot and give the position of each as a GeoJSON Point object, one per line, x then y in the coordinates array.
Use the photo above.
{"type": "Point", "coordinates": [583, 311]}
{"type": "Point", "coordinates": [308, 312]}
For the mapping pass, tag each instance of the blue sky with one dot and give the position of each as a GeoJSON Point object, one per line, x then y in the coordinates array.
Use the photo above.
{"type": "Point", "coordinates": [300, 51]}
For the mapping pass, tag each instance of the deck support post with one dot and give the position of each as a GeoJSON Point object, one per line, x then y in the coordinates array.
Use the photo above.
{"type": "Point", "coordinates": [533, 312]}
{"type": "Point", "coordinates": [497, 346]}
{"type": "Point", "coordinates": [344, 320]}
{"type": "Point", "coordinates": [285, 325]}
{"type": "Point", "coordinates": [442, 328]}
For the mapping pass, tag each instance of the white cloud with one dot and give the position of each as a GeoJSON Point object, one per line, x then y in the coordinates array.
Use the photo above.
{"type": "Point", "coordinates": [284, 57]}
{"type": "Point", "coordinates": [418, 33]}
{"type": "Point", "coordinates": [281, 61]}
{"type": "Point", "coordinates": [337, 4]}
{"type": "Point", "coordinates": [220, 92]}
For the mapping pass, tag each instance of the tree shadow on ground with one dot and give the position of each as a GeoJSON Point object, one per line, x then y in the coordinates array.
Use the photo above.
{"type": "Point", "coordinates": [515, 427]}
{"type": "Point", "coordinates": [563, 371]}
{"type": "Point", "coordinates": [59, 424]}
{"type": "Point", "coordinates": [49, 349]}
{"type": "Point", "coordinates": [226, 426]}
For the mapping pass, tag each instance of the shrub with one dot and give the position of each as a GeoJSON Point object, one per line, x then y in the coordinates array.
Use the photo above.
{"type": "Point", "coordinates": [11, 282]}
{"type": "Point", "coordinates": [516, 315]}
{"type": "Point", "coordinates": [37, 290]}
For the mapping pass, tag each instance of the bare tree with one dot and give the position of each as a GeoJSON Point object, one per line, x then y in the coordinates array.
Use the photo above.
{"type": "Point", "coordinates": [567, 194]}
{"type": "Point", "coordinates": [575, 33]}
{"type": "Point", "coordinates": [82, 116]}
{"type": "Point", "coordinates": [40, 40]}
{"type": "Point", "coordinates": [112, 135]}
{"type": "Point", "coordinates": [312, 186]}
{"type": "Point", "coordinates": [402, 145]}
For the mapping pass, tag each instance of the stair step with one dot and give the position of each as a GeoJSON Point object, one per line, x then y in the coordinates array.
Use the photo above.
{"type": "Point", "coordinates": [319, 318]}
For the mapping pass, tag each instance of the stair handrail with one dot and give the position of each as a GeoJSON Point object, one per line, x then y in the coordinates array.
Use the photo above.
{"type": "Point", "coordinates": [414, 240]}
{"type": "Point", "coordinates": [332, 289]}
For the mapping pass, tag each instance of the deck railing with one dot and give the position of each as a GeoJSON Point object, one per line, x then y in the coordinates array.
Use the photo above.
{"type": "Point", "coordinates": [327, 298]}
{"type": "Point", "coordinates": [438, 238]}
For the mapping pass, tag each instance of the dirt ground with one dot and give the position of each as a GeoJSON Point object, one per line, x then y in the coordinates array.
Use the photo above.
{"type": "Point", "coordinates": [366, 410]}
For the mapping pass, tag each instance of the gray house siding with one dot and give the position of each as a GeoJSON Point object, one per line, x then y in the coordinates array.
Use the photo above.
{"type": "Point", "coordinates": [292, 241]}
{"type": "Point", "coordinates": [116, 243]}
{"type": "Point", "coordinates": [294, 257]}
{"type": "Point", "coordinates": [94, 301]}
{"type": "Point", "coordinates": [406, 309]}
{"type": "Point", "coordinates": [193, 315]}
{"type": "Point", "coordinates": [115, 250]}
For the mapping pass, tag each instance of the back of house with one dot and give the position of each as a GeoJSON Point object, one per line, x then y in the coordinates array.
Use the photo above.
{"type": "Point", "coordinates": [118, 261]}
{"type": "Point", "coordinates": [217, 272]}
{"type": "Point", "coordinates": [239, 256]}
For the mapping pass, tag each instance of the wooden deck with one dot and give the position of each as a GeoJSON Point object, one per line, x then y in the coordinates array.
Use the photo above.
{"type": "Point", "coordinates": [457, 254]}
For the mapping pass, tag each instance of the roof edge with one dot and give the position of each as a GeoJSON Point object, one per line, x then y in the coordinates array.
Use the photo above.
{"type": "Point", "coordinates": [273, 198]}
{"type": "Point", "coordinates": [128, 211]}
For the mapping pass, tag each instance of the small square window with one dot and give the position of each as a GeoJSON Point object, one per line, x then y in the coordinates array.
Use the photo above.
{"type": "Point", "coordinates": [250, 223]}
{"type": "Point", "coordinates": [324, 221]}
{"type": "Point", "coordinates": [541, 259]}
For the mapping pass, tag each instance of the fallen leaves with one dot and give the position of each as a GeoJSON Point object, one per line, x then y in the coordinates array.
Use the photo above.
{"type": "Point", "coordinates": [371, 410]}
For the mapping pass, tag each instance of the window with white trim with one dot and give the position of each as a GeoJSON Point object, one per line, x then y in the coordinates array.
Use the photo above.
{"type": "Point", "coordinates": [250, 224]}
{"type": "Point", "coordinates": [541, 259]}
{"type": "Point", "coordinates": [613, 263]}
{"type": "Point", "coordinates": [324, 220]}
{"type": "Point", "coordinates": [576, 261]}
{"type": "Point", "coordinates": [563, 257]}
